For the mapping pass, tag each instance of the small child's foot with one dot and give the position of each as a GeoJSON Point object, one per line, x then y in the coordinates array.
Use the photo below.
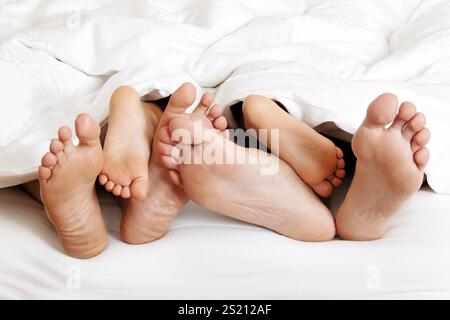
{"type": "Point", "coordinates": [67, 181]}
{"type": "Point", "coordinates": [315, 159]}
{"type": "Point", "coordinates": [132, 125]}
{"type": "Point", "coordinates": [148, 220]}
{"type": "Point", "coordinates": [389, 170]}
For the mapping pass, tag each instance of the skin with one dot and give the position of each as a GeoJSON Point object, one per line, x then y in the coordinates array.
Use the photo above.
{"type": "Point", "coordinates": [240, 191]}
{"type": "Point", "coordinates": [389, 169]}
{"type": "Point", "coordinates": [150, 218]}
{"type": "Point", "coordinates": [315, 159]}
{"type": "Point", "coordinates": [132, 125]}
{"type": "Point", "coordinates": [67, 178]}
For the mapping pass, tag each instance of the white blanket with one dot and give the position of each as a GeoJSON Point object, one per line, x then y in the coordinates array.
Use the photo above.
{"type": "Point", "coordinates": [324, 59]}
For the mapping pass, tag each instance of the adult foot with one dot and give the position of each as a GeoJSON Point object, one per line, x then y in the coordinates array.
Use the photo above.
{"type": "Point", "coordinates": [67, 185]}
{"type": "Point", "coordinates": [316, 160]}
{"type": "Point", "coordinates": [389, 169]}
{"type": "Point", "coordinates": [244, 191]}
{"type": "Point", "coordinates": [132, 125]}
{"type": "Point", "coordinates": [148, 220]}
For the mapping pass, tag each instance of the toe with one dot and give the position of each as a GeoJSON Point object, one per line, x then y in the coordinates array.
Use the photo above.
{"type": "Point", "coordinates": [183, 98]}
{"type": "Point", "coordinates": [87, 130]}
{"type": "Point", "coordinates": [169, 163]}
{"type": "Point", "coordinates": [421, 139]}
{"type": "Point", "coordinates": [56, 146]}
{"type": "Point", "coordinates": [187, 131]}
{"type": "Point", "coordinates": [102, 179]}
{"type": "Point", "coordinates": [406, 113]}
{"type": "Point", "coordinates": [44, 173]}
{"type": "Point", "coordinates": [65, 135]}
{"type": "Point", "coordinates": [421, 157]}
{"type": "Point", "coordinates": [381, 111]}
{"type": "Point", "coordinates": [117, 190]}
{"type": "Point", "coordinates": [341, 164]}
{"type": "Point", "coordinates": [175, 177]}
{"type": "Point", "coordinates": [126, 193]}
{"type": "Point", "coordinates": [339, 153]}
{"type": "Point", "coordinates": [167, 149]}
{"type": "Point", "coordinates": [416, 124]}
{"type": "Point", "coordinates": [205, 104]}
{"type": "Point", "coordinates": [220, 123]}
{"type": "Point", "coordinates": [138, 189]}
{"type": "Point", "coordinates": [109, 186]}
{"type": "Point", "coordinates": [164, 135]}
{"type": "Point", "coordinates": [324, 189]}
{"type": "Point", "coordinates": [49, 160]}
{"type": "Point", "coordinates": [340, 173]}
{"type": "Point", "coordinates": [215, 112]}
{"type": "Point", "coordinates": [336, 182]}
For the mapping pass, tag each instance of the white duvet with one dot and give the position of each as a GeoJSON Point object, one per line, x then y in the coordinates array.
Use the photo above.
{"type": "Point", "coordinates": [324, 59]}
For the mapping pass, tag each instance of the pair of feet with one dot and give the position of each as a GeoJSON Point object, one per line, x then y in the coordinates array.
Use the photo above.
{"type": "Point", "coordinates": [68, 174]}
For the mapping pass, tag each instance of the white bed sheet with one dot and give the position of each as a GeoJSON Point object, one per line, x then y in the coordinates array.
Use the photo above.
{"type": "Point", "coordinates": [208, 256]}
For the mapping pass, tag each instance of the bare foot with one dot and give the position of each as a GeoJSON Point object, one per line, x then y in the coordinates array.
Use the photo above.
{"type": "Point", "coordinates": [150, 219]}
{"type": "Point", "coordinates": [67, 180]}
{"type": "Point", "coordinates": [281, 201]}
{"type": "Point", "coordinates": [132, 125]}
{"type": "Point", "coordinates": [316, 160]}
{"type": "Point", "coordinates": [389, 170]}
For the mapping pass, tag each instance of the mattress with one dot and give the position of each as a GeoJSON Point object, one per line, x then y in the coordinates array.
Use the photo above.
{"type": "Point", "coordinates": [208, 256]}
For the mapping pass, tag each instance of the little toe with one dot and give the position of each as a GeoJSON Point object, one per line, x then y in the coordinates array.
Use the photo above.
{"type": "Point", "coordinates": [49, 160]}
{"type": "Point", "coordinates": [406, 113]}
{"type": "Point", "coordinates": [109, 186]}
{"type": "Point", "coordinates": [205, 103]}
{"type": "Point", "coordinates": [175, 177]}
{"type": "Point", "coordinates": [139, 188]}
{"type": "Point", "coordinates": [421, 157]}
{"type": "Point", "coordinates": [102, 179]}
{"type": "Point", "coordinates": [416, 124]}
{"type": "Point", "coordinates": [421, 139]}
{"type": "Point", "coordinates": [126, 194]}
{"type": "Point", "coordinates": [339, 153]}
{"type": "Point", "coordinates": [117, 190]}
{"type": "Point", "coordinates": [44, 173]}
{"type": "Point", "coordinates": [65, 135]}
{"type": "Point", "coordinates": [324, 189]}
{"type": "Point", "coordinates": [56, 146]}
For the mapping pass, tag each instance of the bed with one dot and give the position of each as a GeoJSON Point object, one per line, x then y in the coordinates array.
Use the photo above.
{"type": "Point", "coordinates": [324, 60]}
{"type": "Point", "coordinates": [208, 256]}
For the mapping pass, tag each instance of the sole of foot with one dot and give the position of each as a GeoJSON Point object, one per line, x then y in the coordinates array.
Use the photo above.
{"type": "Point", "coordinates": [150, 219]}
{"type": "Point", "coordinates": [127, 145]}
{"type": "Point", "coordinates": [389, 169]}
{"type": "Point", "coordinates": [279, 201]}
{"type": "Point", "coordinates": [315, 159]}
{"type": "Point", "coordinates": [67, 178]}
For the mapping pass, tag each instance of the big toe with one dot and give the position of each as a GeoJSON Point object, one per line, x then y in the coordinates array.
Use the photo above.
{"type": "Point", "coordinates": [138, 189]}
{"type": "Point", "coordinates": [382, 111]}
{"type": "Point", "coordinates": [324, 189]}
{"type": "Point", "coordinates": [182, 98]}
{"type": "Point", "coordinates": [87, 130]}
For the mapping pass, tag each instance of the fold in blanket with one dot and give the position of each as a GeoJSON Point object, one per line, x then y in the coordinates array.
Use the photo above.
{"type": "Point", "coordinates": [325, 60]}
